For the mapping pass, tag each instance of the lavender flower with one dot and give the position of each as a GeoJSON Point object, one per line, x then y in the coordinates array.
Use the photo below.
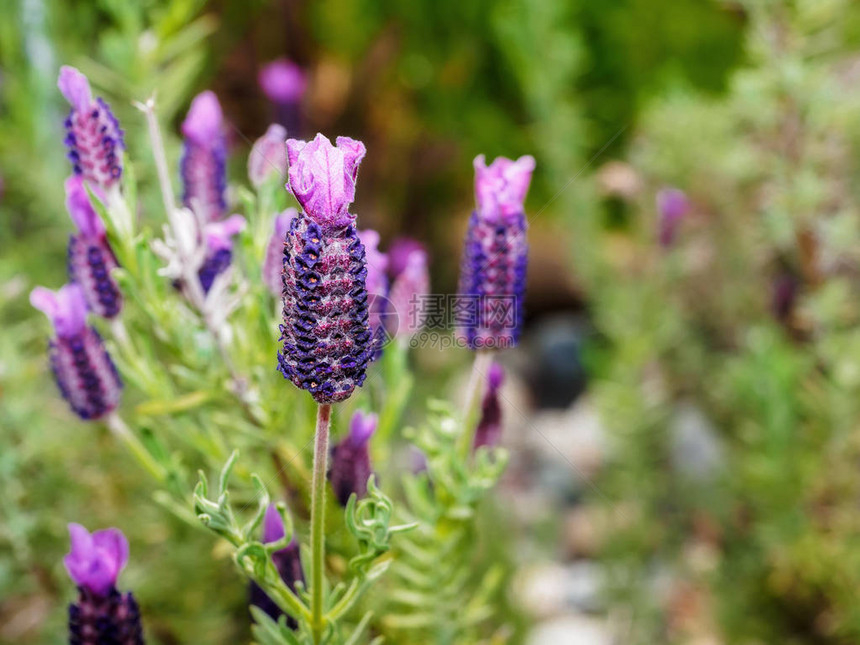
{"type": "Point", "coordinates": [83, 370]}
{"type": "Point", "coordinates": [203, 166]}
{"type": "Point", "coordinates": [93, 135]}
{"type": "Point", "coordinates": [493, 269]}
{"type": "Point", "coordinates": [489, 430]}
{"type": "Point", "coordinates": [399, 252]}
{"type": "Point", "coordinates": [286, 560]}
{"type": "Point", "coordinates": [268, 158]}
{"type": "Point", "coordinates": [409, 289]}
{"type": "Point", "coordinates": [273, 264]}
{"type": "Point", "coordinates": [672, 206]}
{"type": "Point", "coordinates": [377, 289]}
{"type": "Point", "coordinates": [101, 615]}
{"type": "Point", "coordinates": [350, 459]}
{"type": "Point", "coordinates": [91, 259]}
{"type": "Point", "coordinates": [325, 333]}
{"type": "Point", "coordinates": [219, 248]}
{"type": "Point", "coordinates": [284, 83]}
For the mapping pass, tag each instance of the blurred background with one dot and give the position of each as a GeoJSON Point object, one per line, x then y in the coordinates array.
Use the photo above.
{"type": "Point", "coordinates": [683, 410]}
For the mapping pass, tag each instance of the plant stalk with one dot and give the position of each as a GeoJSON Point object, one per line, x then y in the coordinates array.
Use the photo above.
{"type": "Point", "coordinates": [480, 368]}
{"type": "Point", "coordinates": [318, 520]}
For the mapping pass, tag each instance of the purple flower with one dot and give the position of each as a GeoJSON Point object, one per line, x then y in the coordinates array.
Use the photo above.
{"type": "Point", "coordinates": [219, 248]}
{"type": "Point", "coordinates": [95, 560]}
{"type": "Point", "coordinates": [377, 288]}
{"type": "Point", "coordinates": [323, 176]}
{"type": "Point", "coordinates": [101, 614]}
{"type": "Point", "coordinates": [282, 81]}
{"type": "Point", "coordinates": [273, 264]}
{"type": "Point", "coordinates": [672, 206]}
{"type": "Point", "coordinates": [326, 335]}
{"type": "Point", "coordinates": [93, 135]}
{"type": "Point", "coordinates": [90, 257]}
{"type": "Point", "coordinates": [203, 166]}
{"type": "Point", "coordinates": [350, 459]}
{"type": "Point", "coordinates": [501, 187]}
{"type": "Point", "coordinates": [268, 156]}
{"type": "Point", "coordinates": [489, 430]}
{"type": "Point", "coordinates": [493, 268]}
{"type": "Point", "coordinates": [287, 561]}
{"type": "Point", "coordinates": [399, 252]}
{"type": "Point", "coordinates": [408, 291]}
{"type": "Point", "coordinates": [82, 368]}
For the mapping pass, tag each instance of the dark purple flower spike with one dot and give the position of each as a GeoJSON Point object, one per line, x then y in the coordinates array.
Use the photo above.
{"type": "Point", "coordinates": [286, 560]}
{"type": "Point", "coordinates": [350, 459]}
{"type": "Point", "coordinates": [93, 136]}
{"type": "Point", "coordinates": [219, 248]}
{"type": "Point", "coordinates": [83, 370]}
{"type": "Point", "coordinates": [203, 165]}
{"type": "Point", "coordinates": [325, 332]}
{"type": "Point", "coordinates": [493, 269]}
{"type": "Point", "coordinates": [101, 615]}
{"type": "Point", "coordinates": [489, 430]}
{"type": "Point", "coordinates": [91, 259]}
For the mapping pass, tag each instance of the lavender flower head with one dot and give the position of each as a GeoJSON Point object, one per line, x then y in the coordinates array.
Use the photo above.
{"type": "Point", "coordinates": [90, 257]}
{"type": "Point", "coordinates": [203, 165]}
{"type": "Point", "coordinates": [93, 136]}
{"type": "Point", "coordinates": [672, 206]}
{"type": "Point", "coordinates": [101, 614]}
{"type": "Point", "coordinates": [350, 459]}
{"type": "Point", "coordinates": [409, 289]}
{"type": "Point", "coordinates": [219, 248]}
{"type": "Point", "coordinates": [399, 253]}
{"type": "Point", "coordinates": [493, 269]}
{"type": "Point", "coordinates": [325, 333]}
{"type": "Point", "coordinates": [268, 158]}
{"type": "Point", "coordinates": [286, 560]}
{"type": "Point", "coordinates": [82, 368]}
{"type": "Point", "coordinates": [273, 264]}
{"type": "Point", "coordinates": [489, 430]}
{"type": "Point", "coordinates": [377, 288]}
{"type": "Point", "coordinates": [284, 83]}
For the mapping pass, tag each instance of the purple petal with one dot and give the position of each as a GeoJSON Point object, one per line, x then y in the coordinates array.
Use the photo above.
{"type": "Point", "coordinates": [94, 561]}
{"type": "Point", "coordinates": [66, 308]}
{"type": "Point", "coordinates": [361, 427]}
{"type": "Point", "coordinates": [204, 120]}
{"type": "Point", "coordinates": [501, 187]}
{"type": "Point", "coordinates": [399, 252]}
{"type": "Point", "coordinates": [268, 156]}
{"type": "Point", "coordinates": [113, 549]}
{"type": "Point", "coordinates": [219, 234]}
{"type": "Point", "coordinates": [377, 263]}
{"type": "Point", "coordinates": [322, 177]}
{"type": "Point", "coordinates": [81, 209]}
{"type": "Point", "coordinates": [75, 87]}
{"type": "Point", "coordinates": [273, 525]}
{"type": "Point", "coordinates": [282, 81]}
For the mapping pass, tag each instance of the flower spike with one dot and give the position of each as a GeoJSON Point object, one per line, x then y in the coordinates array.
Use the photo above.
{"type": "Point", "coordinates": [203, 165]}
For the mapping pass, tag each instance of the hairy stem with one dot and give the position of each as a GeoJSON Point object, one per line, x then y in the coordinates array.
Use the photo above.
{"type": "Point", "coordinates": [318, 520]}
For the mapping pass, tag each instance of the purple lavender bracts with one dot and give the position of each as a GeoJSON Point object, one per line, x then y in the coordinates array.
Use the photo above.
{"type": "Point", "coordinates": [203, 166]}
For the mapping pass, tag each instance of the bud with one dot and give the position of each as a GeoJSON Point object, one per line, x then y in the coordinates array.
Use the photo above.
{"type": "Point", "coordinates": [489, 430]}
{"type": "Point", "coordinates": [268, 158]}
{"type": "Point", "coordinates": [93, 136]}
{"type": "Point", "coordinates": [204, 156]}
{"type": "Point", "coordinates": [91, 259]}
{"type": "Point", "coordinates": [101, 614]}
{"type": "Point", "coordinates": [325, 331]}
{"type": "Point", "coordinates": [672, 207]}
{"type": "Point", "coordinates": [493, 269]}
{"type": "Point", "coordinates": [377, 289]}
{"type": "Point", "coordinates": [409, 290]}
{"type": "Point", "coordinates": [219, 248]}
{"type": "Point", "coordinates": [350, 459]}
{"type": "Point", "coordinates": [286, 560]}
{"type": "Point", "coordinates": [273, 264]}
{"type": "Point", "coordinates": [82, 368]}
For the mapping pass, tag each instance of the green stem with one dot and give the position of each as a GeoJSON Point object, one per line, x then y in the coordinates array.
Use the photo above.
{"type": "Point", "coordinates": [120, 430]}
{"type": "Point", "coordinates": [318, 521]}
